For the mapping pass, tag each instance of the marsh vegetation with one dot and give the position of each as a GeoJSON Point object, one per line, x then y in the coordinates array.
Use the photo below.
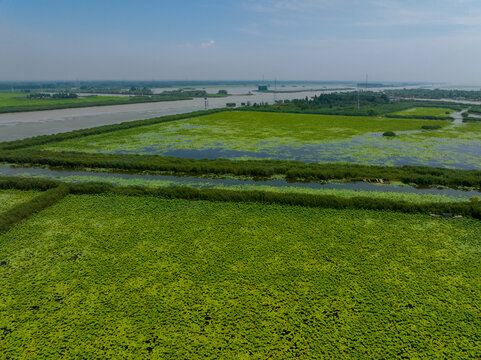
{"type": "Point", "coordinates": [217, 265]}
{"type": "Point", "coordinates": [189, 274]}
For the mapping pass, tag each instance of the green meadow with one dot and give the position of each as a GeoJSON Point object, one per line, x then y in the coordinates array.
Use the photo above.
{"type": "Point", "coordinates": [18, 102]}
{"type": "Point", "coordinates": [12, 101]}
{"type": "Point", "coordinates": [102, 276]}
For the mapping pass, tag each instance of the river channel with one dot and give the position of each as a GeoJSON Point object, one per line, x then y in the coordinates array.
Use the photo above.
{"type": "Point", "coordinates": [14, 126]}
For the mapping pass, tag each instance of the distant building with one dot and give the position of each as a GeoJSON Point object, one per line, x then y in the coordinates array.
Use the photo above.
{"type": "Point", "coordinates": [263, 88]}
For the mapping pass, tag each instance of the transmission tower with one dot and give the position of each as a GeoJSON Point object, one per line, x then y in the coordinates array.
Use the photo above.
{"type": "Point", "coordinates": [357, 97]}
{"type": "Point", "coordinates": [275, 90]}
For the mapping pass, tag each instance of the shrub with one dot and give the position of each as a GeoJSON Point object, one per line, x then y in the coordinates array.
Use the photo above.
{"type": "Point", "coordinates": [431, 127]}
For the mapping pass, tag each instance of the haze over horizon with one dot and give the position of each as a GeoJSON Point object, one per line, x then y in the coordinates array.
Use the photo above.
{"type": "Point", "coordinates": [393, 40]}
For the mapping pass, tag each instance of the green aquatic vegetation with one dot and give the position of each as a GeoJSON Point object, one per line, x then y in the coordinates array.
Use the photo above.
{"type": "Point", "coordinates": [26, 209]}
{"type": "Point", "coordinates": [409, 197]}
{"type": "Point", "coordinates": [242, 131]}
{"type": "Point", "coordinates": [459, 145]}
{"type": "Point", "coordinates": [293, 170]}
{"type": "Point", "coordinates": [155, 183]}
{"type": "Point", "coordinates": [12, 197]}
{"type": "Point", "coordinates": [100, 276]}
{"type": "Point", "coordinates": [56, 190]}
{"type": "Point", "coordinates": [308, 138]}
{"type": "Point", "coordinates": [424, 111]}
{"type": "Point", "coordinates": [458, 133]}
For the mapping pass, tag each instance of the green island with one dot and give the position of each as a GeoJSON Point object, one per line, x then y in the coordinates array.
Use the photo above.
{"type": "Point", "coordinates": [18, 102]}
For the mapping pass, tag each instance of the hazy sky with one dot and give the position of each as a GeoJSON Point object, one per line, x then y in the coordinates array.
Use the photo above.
{"type": "Point", "coordinates": [392, 40]}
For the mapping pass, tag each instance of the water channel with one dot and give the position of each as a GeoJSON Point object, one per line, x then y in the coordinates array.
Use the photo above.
{"type": "Point", "coordinates": [159, 180]}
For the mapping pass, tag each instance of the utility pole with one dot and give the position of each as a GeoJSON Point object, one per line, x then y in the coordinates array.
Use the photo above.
{"type": "Point", "coordinates": [358, 97]}
{"type": "Point", "coordinates": [275, 90]}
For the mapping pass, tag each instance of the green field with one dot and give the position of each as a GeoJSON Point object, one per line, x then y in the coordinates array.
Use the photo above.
{"type": "Point", "coordinates": [424, 111]}
{"type": "Point", "coordinates": [9, 101]}
{"type": "Point", "coordinates": [10, 198]}
{"type": "Point", "coordinates": [99, 276]}
{"type": "Point", "coordinates": [241, 131]}
{"type": "Point", "coordinates": [17, 102]}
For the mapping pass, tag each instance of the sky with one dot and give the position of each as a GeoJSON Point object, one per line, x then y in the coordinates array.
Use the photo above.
{"type": "Point", "coordinates": [391, 40]}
